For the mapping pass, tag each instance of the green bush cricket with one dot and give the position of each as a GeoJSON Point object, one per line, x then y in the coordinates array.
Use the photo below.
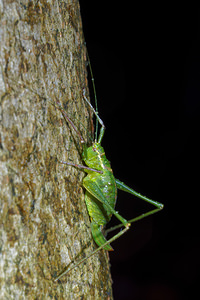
{"type": "Point", "coordinates": [101, 187]}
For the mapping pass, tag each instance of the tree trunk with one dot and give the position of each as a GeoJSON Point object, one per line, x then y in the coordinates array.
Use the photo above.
{"type": "Point", "coordinates": [44, 221]}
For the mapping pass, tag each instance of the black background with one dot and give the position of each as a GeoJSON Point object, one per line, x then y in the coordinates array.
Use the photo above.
{"type": "Point", "coordinates": [146, 65]}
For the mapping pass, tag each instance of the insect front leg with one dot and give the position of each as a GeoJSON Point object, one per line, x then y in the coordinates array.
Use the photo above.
{"type": "Point", "coordinates": [102, 130]}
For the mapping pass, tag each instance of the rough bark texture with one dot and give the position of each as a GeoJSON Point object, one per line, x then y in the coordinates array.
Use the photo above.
{"type": "Point", "coordinates": [44, 222]}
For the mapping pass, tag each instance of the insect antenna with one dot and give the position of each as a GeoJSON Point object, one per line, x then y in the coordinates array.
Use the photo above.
{"type": "Point", "coordinates": [69, 120]}
{"type": "Point", "coordinates": [94, 91]}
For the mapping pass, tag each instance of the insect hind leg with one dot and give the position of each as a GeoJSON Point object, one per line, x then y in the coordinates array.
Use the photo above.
{"type": "Point", "coordinates": [125, 188]}
{"type": "Point", "coordinates": [94, 252]}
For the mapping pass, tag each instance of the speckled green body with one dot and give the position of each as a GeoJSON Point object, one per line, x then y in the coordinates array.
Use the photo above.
{"type": "Point", "coordinates": [94, 157]}
{"type": "Point", "coordinates": [101, 191]}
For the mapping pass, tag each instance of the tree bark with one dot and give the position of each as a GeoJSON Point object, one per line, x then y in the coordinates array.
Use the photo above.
{"type": "Point", "coordinates": [44, 221]}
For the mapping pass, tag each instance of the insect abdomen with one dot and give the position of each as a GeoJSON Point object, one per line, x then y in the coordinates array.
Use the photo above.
{"type": "Point", "coordinates": [97, 208]}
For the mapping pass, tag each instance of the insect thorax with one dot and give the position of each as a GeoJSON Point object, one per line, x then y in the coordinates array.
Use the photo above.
{"type": "Point", "coordinates": [94, 157]}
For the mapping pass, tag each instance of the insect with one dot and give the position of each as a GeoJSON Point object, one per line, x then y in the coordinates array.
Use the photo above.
{"type": "Point", "coordinates": [101, 187]}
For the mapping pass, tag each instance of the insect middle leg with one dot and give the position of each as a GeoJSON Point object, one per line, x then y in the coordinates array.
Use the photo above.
{"type": "Point", "coordinates": [79, 166]}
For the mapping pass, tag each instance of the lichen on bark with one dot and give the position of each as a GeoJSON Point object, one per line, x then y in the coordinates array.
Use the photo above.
{"type": "Point", "coordinates": [44, 221]}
